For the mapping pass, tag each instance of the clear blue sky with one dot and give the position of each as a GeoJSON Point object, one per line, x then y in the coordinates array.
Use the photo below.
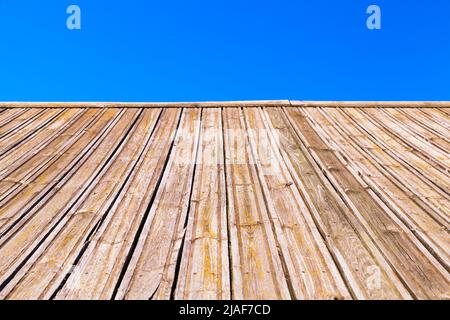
{"type": "Point", "coordinates": [181, 50]}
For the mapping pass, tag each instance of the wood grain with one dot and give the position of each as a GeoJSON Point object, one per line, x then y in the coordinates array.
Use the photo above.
{"type": "Point", "coordinates": [238, 200]}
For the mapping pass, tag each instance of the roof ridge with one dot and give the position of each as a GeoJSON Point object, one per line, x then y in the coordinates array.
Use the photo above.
{"type": "Point", "coordinates": [218, 104]}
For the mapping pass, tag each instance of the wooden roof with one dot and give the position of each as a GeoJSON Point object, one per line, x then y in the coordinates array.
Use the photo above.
{"type": "Point", "coordinates": [253, 200]}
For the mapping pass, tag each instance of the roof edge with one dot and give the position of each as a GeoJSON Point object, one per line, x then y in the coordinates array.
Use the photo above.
{"type": "Point", "coordinates": [372, 104]}
{"type": "Point", "coordinates": [212, 104]}
{"type": "Point", "coordinates": [235, 104]}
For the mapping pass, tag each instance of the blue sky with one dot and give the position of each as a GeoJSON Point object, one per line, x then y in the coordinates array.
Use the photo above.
{"type": "Point", "coordinates": [170, 50]}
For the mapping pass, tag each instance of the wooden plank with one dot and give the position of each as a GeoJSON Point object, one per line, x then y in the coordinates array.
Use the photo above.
{"type": "Point", "coordinates": [17, 155]}
{"type": "Point", "coordinates": [19, 122]}
{"type": "Point", "coordinates": [16, 204]}
{"type": "Point", "coordinates": [438, 117]}
{"type": "Point", "coordinates": [366, 272]}
{"type": "Point", "coordinates": [129, 105]}
{"type": "Point", "coordinates": [419, 146]}
{"type": "Point", "coordinates": [420, 271]}
{"type": "Point", "coordinates": [10, 141]}
{"type": "Point", "coordinates": [20, 158]}
{"type": "Point", "coordinates": [232, 104]}
{"type": "Point", "coordinates": [23, 239]}
{"type": "Point", "coordinates": [16, 175]}
{"type": "Point", "coordinates": [416, 130]}
{"type": "Point", "coordinates": [204, 271]}
{"type": "Point", "coordinates": [98, 271]}
{"type": "Point", "coordinates": [371, 104]}
{"type": "Point", "coordinates": [55, 258]}
{"type": "Point", "coordinates": [153, 265]}
{"type": "Point", "coordinates": [312, 272]}
{"type": "Point", "coordinates": [257, 271]}
{"type": "Point", "coordinates": [432, 234]}
{"type": "Point", "coordinates": [9, 114]}
{"type": "Point", "coordinates": [415, 174]}
{"type": "Point", "coordinates": [426, 122]}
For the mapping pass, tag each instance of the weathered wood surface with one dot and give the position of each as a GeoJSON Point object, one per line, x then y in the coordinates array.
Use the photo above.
{"type": "Point", "coordinates": [153, 266]}
{"type": "Point", "coordinates": [205, 264]}
{"type": "Point", "coordinates": [251, 200]}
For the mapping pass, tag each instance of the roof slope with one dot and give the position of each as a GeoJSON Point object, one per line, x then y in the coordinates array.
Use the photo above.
{"type": "Point", "coordinates": [273, 202]}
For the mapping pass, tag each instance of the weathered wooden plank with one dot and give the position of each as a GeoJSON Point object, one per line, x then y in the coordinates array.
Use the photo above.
{"type": "Point", "coordinates": [22, 135]}
{"type": "Point", "coordinates": [22, 121]}
{"type": "Point", "coordinates": [204, 271]}
{"type": "Point", "coordinates": [130, 105]}
{"type": "Point", "coordinates": [232, 104]}
{"type": "Point", "coordinates": [425, 121]}
{"type": "Point", "coordinates": [16, 175]}
{"type": "Point", "coordinates": [446, 112]}
{"type": "Point", "coordinates": [310, 267]}
{"type": "Point", "coordinates": [257, 271]}
{"type": "Point", "coordinates": [152, 268]}
{"type": "Point", "coordinates": [365, 270]}
{"type": "Point", "coordinates": [420, 271]}
{"type": "Point", "coordinates": [55, 258]}
{"type": "Point", "coordinates": [371, 104]}
{"type": "Point", "coordinates": [432, 234]}
{"type": "Point", "coordinates": [416, 128]}
{"type": "Point", "coordinates": [17, 203]}
{"type": "Point", "coordinates": [46, 150]}
{"type": "Point", "coordinates": [417, 175]}
{"type": "Point", "coordinates": [9, 114]}
{"type": "Point", "coordinates": [438, 117]}
{"type": "Point", "coordinates": [18, 155]}
{"type": "Point", "coordinates": [419, 146]}
{"type": "Point", "coordinates": [98, 272]}
{"type": "Point", "coordinates": [23, 239]}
